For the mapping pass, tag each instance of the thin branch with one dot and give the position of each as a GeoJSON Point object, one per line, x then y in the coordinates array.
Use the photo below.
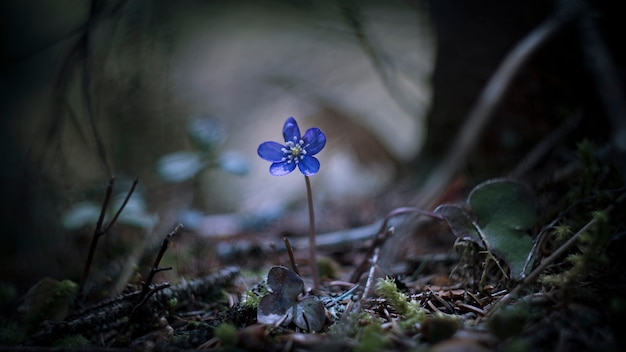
{"type": "Point", "coordinates": [119, 211]}
{"type": "Point", "coordinates": [373, 261]}
{"type": "Point", "coordinates": [96, 234]}
{"type": "Point", "coordinates": [155, 265]}
{"type": "Point", "coordinates": [294, 266]}
{"type": "Point", "coordinates": [99, 231]}
{"type": "Point", "coordinates": [382, 235]}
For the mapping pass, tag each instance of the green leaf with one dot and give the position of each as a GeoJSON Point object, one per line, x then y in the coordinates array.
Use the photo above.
{"type": "Point", "coordinates": [505, 211]}
{"type": "Point", "coordinates": [180, 166]}
{"type": "Point", "coordinates": [135, 212]}
{"type": "Point", "coordinates": [234, 163]}
{"type": "Point", "coordinates": [310, 314]}
{"type": "Point", "coordinates": [284, 286]}
{"type": "Point", "coordinates": [81, 214]}
{"type": "Point", "coordinates": [205, 132]}
{"type": "Point", "coordinates": [282, 302]}
{"type": "Point", "coordinates": [460, 223]}
{"type": "Point", "coordinates": [285, 280]}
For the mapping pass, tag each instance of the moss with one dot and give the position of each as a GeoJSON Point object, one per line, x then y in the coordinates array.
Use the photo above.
{"type": "Point", "coordinates": [590, 254]}
{"type": "Point", "coordinates": [562, 233]}
{"type": "Point", "coordinates": [253, 296]}
{"type": "Point", "coordinates": [49, 299]}
{"type": "Point", "coordinates": [372, 339]}
{"type": "Point", "coordinates": [227, 333]}
{"type": "Point", "coordinates": [411, 310]}
{"type": "Point", "coordinates": [327, 268]}
{"type": "Point", "coordinates": [352, 324]}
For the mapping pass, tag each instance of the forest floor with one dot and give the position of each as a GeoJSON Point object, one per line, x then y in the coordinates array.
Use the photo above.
{"type": "Point", "coordinates": [404, 285]}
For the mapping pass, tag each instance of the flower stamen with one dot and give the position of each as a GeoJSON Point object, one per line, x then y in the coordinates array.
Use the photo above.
{"type": "Point", "coordinates": [293, 151]}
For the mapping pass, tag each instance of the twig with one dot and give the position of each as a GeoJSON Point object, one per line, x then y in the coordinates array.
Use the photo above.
{"type": "Point", "coordinates": [373, 262]}
{"type": "Point", "coordinates": [114, 314]}
{"type": "Point", "coordinates": [155, 266]}
{"type": "Point", "coordinates": [532, 277]}
{"type": "Point", "coordinates": [382, 235]}
{"type": "Point", "coordinates": [119, 211]}
{"type": "Point", "coordinates": [99, 231]}
{"type": "Point", "coordinates": [294, 266]}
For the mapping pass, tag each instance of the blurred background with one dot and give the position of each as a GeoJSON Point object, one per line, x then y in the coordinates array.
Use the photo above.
{"type": "Point", "coordinates": [180, 95]}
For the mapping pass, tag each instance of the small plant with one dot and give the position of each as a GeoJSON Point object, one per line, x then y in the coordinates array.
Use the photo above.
{"type": "Point", "coordinates": [502, 213]}
{"type": "Point", "coordinates": [284, 305]}
{"type": "Point", "coordinates": [207, 136]}
{"type": "Point", "coordinates": [298, 151]}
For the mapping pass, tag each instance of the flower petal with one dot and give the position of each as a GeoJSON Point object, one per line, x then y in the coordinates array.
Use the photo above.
{"type": "Point", "coordinates": [271, 151]}
{"type": "Point", "coordinates": [291, 131]}
{"type": "Point", "coordinates": [314, 141]}
{"type": "Point", "coordinates": [309, 166]}
{"type": "Point", "coordinates": [282, 168]}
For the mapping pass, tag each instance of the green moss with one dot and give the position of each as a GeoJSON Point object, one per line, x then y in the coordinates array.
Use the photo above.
{"type": "Point", "coordinates": [372, 339]}
{"type": "Point", "coordinates": [351, 325]}
{"type": "Point", "coordinates": [227, 333]}
{"type": "Point", "coordinates": [411, 310]}
{"type": "Point", "coordinates": [327, 268]}
{"type": "Point", "coordinates": [589, 255]}
{"type": "Point", "coordinates": [253, 296]}
{"type": "Point", "coordinates": [562, 233]}
{"type": "Point", "coordinates": [49, 299]}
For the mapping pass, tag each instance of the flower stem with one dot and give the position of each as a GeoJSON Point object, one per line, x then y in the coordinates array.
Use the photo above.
{"type": "Point", "coordinates": [312, 254]}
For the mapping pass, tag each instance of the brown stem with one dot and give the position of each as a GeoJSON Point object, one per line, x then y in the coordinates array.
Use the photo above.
{"type": "Point", "coordinates": [291, 257]}
{"type": "Point", "coordinates": [155, 265]}
{"type": "Point", "coordinates": [312, 254]}
{"type": "Point", "coordinates": [99, 231]}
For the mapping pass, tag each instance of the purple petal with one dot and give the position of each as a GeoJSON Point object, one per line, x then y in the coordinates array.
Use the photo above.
{"type": "Point", "coordinates": [282, 168]}
{"type": "Point", "coordinates": [314, 141]}
{"type": "Point", "coordinates": [291, 132]}
{"type": "Point", "coordinates": [309, 166]}
{"type": "Point", "coordinates": [271, 151]}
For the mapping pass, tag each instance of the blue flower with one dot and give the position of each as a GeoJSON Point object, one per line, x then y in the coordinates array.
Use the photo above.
{"type": "Point", "coordinates": [297, 150]}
